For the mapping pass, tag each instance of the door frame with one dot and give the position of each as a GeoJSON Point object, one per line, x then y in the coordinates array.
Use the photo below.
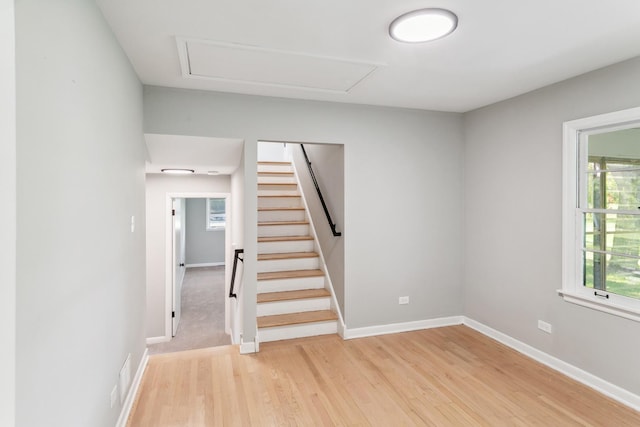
{"type": "Point", "coordinates": [177, 261]}
{"type": "Point", "coordinates": [169, 279]}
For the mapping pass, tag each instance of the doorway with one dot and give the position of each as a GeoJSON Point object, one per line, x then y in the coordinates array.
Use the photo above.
{"type": "Point", "coordinates": [197, 247]}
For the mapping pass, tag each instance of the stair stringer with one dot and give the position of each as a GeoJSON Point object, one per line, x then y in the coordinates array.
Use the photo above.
{"type": "Point", "coordinates": [323, 266]}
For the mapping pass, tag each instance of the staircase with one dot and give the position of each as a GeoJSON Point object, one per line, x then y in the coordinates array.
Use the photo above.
{"type": "Point", "coordinates": [293, 300]}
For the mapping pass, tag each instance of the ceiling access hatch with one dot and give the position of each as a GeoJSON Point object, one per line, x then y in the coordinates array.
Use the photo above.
{"type": "Point", "coordinates": [239, 63]}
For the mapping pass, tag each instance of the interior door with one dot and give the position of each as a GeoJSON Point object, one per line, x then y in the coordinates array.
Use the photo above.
{"type": "Point", "coordinates": [178, 258]}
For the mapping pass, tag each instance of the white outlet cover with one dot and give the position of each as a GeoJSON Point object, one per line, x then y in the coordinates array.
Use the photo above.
{"type": "Point", "coordinates": [403, 300]}
{"type": "Point", "coordinates": [544, 326]}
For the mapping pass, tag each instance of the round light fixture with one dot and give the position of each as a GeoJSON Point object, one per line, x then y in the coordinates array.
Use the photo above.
{"type": "Point", "coordinates": [178, 171]}
{"type": "Point", "coordinates": [213, 173]}
{"type": "Point", "coordinates": [423, 25]}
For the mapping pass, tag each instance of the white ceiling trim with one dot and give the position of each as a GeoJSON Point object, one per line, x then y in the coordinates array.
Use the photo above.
{"type": "Point", "coordinates": [258, 66]}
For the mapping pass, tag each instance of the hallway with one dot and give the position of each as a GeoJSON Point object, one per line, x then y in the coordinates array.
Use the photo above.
{"type": "Point", "coordinates": [202, 321]}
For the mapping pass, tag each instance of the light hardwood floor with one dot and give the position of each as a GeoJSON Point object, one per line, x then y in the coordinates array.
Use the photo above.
{"type": "Point", "coordinates": [449, 376]}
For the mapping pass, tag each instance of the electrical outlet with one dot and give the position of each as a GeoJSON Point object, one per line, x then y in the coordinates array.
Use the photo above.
{"type": "Point", "coordinates": [403, 300]}
{"type": "Point", "coordinates": [114, 395]}
{"type": "Point", "coordinates": [544, 326]}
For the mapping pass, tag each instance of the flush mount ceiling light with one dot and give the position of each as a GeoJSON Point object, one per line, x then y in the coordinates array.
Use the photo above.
{"type": "Point", "coordinates": [213, 173]}
{"type": "Point", "coordinates": [178, 171]}
{"type": "Point", "coordinates": [423, 25]}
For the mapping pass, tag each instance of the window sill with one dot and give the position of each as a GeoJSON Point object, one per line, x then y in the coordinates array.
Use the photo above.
{"type": "Point", "coordinates": [600, 305]}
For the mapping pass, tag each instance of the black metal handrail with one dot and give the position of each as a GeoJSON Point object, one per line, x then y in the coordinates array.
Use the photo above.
{"type": "Point", "coordinates": [236, 257]}
{"type": "Point", "coordinates": [324, 205]}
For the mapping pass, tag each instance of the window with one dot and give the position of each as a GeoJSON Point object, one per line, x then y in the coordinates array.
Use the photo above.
{"type": "Point", "coordinates": [601, 213]}
{"type": "Point", "coordinates": [216, 214]}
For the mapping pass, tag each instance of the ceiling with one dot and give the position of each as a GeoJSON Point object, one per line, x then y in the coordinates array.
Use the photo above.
{"type": "Point", "coordinates": [337, 50]}
{"type": "Point", "coordinates": [202, 154]}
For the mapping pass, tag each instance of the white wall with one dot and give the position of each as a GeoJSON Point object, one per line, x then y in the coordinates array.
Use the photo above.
{"type": "Point", "coordinates": [271, 152]}
{"type": "Point", "coordinates": [327, 161]}
{"type": "Point", "coordinates": [203, 246]}
{"type": "Point", "coordinates": [411, 159]}
{"type": "Point", "coordinates": [7, 213]}
{"type": "Point", "coordinates": [234, 327]}
{"type": "Point", "coordinates": [513, 185]}
{"type": "Point", "coordinates": [157, 189]}
{"type": "Point", "coordinates": [80, 178]}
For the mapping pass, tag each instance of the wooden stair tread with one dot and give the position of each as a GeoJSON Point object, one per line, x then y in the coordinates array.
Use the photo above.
{"type": "Point", "coordinates": [266, 163]}
{"type": "Point", "coordinates": [290, 274]}
{"type": "Point", "coordinates": [287, 255]}
{"type": "Point", "coordinates": [293, 295]}
{"type": "Point", "coordinates": [282, 195]}
{"type": "Point", "coordinates": [282, 208]}
{"type": "Point", "coordinates": [278, 183]}
{"type": "Point", "coordinates": [283, 238]}
{"type": "Point", "coordinates": [296, 318]}
{"type": "Point", "coordinates": [268, 223]}
{"type": "Point", "coordinates": [275, 173]}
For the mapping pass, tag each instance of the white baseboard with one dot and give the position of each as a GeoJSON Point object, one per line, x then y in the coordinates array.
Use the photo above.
{"type": "Point", "coordinates": [249, 347]}
{"type": "Point", "coordinates": [133, 391]}
{"type": "Point", "coordinates": [158, 340]}
{"type": "Point", "coordinates": [611, 390]}
{"type": "Point", "coordinates": [394, 328]}
{"type": "Point", "coordinates": [205, 264]}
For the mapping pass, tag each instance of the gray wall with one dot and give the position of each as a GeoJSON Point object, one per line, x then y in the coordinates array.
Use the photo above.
{"type": "Point", "coordinates": [418, 253]}
{"type": "Point", "coordinates": [327, 161]}
{"type": "Point", "coordinates": [80, 161]}
{"type": "Point", "coordinates": [513, 186]}
{"type": "Point", "coordinates": [158, 187]}
{"type": "Point", "coordinates": [203, 247]}
{"type": "Point", "coordinates": [7, 213]}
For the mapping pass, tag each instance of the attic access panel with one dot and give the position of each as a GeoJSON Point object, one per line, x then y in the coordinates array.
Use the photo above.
{"type": "Point", "coordinates": [260, 66]}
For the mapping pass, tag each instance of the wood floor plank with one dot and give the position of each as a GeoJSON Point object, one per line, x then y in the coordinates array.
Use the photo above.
{"type": "Point", "coordinates": [450, 376]}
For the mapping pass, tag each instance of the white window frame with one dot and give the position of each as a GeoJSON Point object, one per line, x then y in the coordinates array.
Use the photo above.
{"type": "Point", "coordinates": [207, 206]}
{"type": "Point", "coordinates": [573, 290]}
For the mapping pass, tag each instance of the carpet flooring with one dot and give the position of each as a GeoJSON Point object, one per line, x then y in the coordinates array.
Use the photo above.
{"type": "Point", "coordinates": [202, 312]}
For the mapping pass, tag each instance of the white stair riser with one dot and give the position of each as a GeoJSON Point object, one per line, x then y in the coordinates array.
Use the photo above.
{"type": "Point", "coordinates": [285, 247]}
{"type": "Point", "coordinates": [297, 331]}
{"type": "Point", "coordinates": [284, 215]}
{"type": "Point", "coordinates": [293, 306]}
{"type": "Point", "coordinates": [297, 284]}
{"type": "Point", "coordinates": [267, 266]}
{"type": "Point", "coordinates": [277, 192]}
{"type": "Point", "coordinates": [277, 187]}
{"type": "Point", "coordinates": [275, 168]}
{"type": "Point", "coordinates": [276, 202]}
{"type": "Point", "coordinates": [280, 179]}
{"type": "Point", "coordinates": [283, 230]}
